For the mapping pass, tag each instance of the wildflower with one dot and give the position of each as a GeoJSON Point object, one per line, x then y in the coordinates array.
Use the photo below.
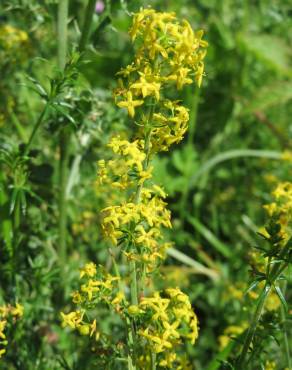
{"type": "Point", "coordinates": [72, 319]}
{"type": "Point", "coordinates": [17, 310]}
{"type": "Point", "coordinates": [130, 104]}
{"type": "Point", "coordinates": [169, 55]}
{"type": "Point", "coordinates": [89, 270]}
{"type": "Point", "coordinates": [99, 6]}
{"type": "Point", "coordinates": [147, 88]}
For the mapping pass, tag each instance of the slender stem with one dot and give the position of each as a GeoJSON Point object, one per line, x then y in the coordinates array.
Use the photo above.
{"type": "Point", "coordinates": [63, 173]}
{"type": "Point", "coordinates": [87, 24]}
{"type": "Point", "coordinates": [134, 288]}
{"type": "Point", "coordinates": [194, 97]}
{"type": "Point", "coordinates": [153, 361]}
{"type": "Point", "coordinates": [253, 325]}
{"type": "Point", "coordinates": [285, 333]}
{"type": "Point", "coordinates": [62, 32]}
{"type": "Point", "coordinates": [17, 124]}
{"type": "Point", "coordinates": [64, 136]}
{"type": "Point", "coordinates": [134, 285]}
{"type": "Point", "coordinates": [130, 328]}
{"type": "Point", "coordinates": [16, 220]}
{"type": "Point", "coordinates": [36, 127]}
{"type": "Point", "coordinates": [272, 277]}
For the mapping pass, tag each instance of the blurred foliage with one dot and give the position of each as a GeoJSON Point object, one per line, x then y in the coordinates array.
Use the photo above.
{"type": "Point", "coordinates": [239, 122]}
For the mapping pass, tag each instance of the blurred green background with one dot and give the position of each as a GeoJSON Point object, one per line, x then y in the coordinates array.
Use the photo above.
{"type": "Point", "coordinates": [237, 149]}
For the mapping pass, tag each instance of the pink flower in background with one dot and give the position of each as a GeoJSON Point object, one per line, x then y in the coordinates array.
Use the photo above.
{"type": "Point", "coordinates": [99, 6]}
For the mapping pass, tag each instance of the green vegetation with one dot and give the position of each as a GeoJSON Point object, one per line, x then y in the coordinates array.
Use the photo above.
{"type": "Point", "coordinates": [87, 166]}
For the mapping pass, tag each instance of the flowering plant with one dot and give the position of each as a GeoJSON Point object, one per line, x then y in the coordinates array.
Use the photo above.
{"type": "Point", "coordinates": [169, 55]}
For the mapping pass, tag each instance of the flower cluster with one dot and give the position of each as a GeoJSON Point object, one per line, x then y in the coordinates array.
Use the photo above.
{"type": "Point", "coordinates": [167, 320]}
{"type": "Point", "coordinates": [13, 42]}
{"type": "Point", "coordinates": [138, 227]}
{"type": "Point", "coordinates": [97, 287]}
{"type": "Point", "coordinates": [8, 313]}
{"type": "Point", "coordinates": [169, 53]}
{"type": "Point", "coordinates": [281, 208]}
{"type": "Point", "coordinates": [126, 168]}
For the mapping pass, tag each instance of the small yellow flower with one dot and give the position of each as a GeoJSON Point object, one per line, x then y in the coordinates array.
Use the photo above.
{"type": "Point", "coordinates": [17, 310]}
{"type": "Point", "coordinates": [72, 319]}
{"type": "Point", "coordinates": [88, 270]}
{"type": "Point", "coordinates": [130, 104]}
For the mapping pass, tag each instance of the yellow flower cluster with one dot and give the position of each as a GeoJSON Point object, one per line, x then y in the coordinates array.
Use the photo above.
{"type": "Point", "coordinates": [97, 287]}
{"type": "Point", "coordinates": [169, 125]}
{"type": "Point", "coordinates": [230, 332]}
{"type": "Point", "coordinates": [167, 319]}
{"type": "Point", "coordinates": [282, 208]}
{"type": "Point", "coordinates": [139, 226]}
{"type": "Point", "coordinates": [126, 168]}
{"type": "Point", "coordinates": [13, 42]}
{"type": "Point", "coordinates": [169, 56]}
{"type": "Point", "coordinates": [169, 52]}
{"type": "Point", "coordinates": [7, 312]}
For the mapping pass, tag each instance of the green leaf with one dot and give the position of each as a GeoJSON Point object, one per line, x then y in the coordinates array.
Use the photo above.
{"type": "Point", "coordinates": [281, 297]}
{"type": "Point", "coordinates": [212, 239]}
{"type": "Point", "coordinates": [192, 263]}
{"type": "Point", "coordinates": [231, 154]}
{"type": "Point", "coordinates": [254, 284]}
{"type": "Point", "coordinates": [269, 96]}
{"type": "Point", "coordinates": [269, 49]}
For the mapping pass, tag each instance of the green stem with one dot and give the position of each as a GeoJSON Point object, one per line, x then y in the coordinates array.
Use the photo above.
{"type": "Point", "coordinates": [62, 32]}
{"type": "Point", "coordinates": [17, 124]}
{"type": "Point", "coordinates": [134, 288]}
{"type": "Point", "coordinates": [153, 361]}
{"type": "Point", "coordinates": [130, 328]}
{"type": "Point", "coordinates": [16, 217]}
{"type": "Point", "coordinates": [64, 136]}
{"type": "Point", "coordinates": [63, 171]}
{"type": "Point", "coordinates": [87, 24]}
{"type": "Point", "coordinates": [285, 333]}
{"type": "Point", "coordinates": [35, 129]}
{"type": "Point", "coordinates": [272, 277]}
{"type": "Point", "coordinates": [194, 97]}
{"type": "Point", "coordinates": [253, 325]}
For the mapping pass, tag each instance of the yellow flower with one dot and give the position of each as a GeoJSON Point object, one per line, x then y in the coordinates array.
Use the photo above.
{"type": "Point", "coordinates": [93, 328]}
{"type": "Point", "coordinates": [88, 270]}
{"type": "Point", "coordinates": [147, 88]}
{"type": "Point", "coordinates": [76, 297]}
{"type": "Point", "coordinates": [17, 310]}
{"type": "Point", "coordinates": [270, 365]}
{"type": "Point", "coordinates": [119, 298]}
{"type": "Point", "coordinates": [90, 288]}
{"type": "Point", "coordinates": [72, 319]}
{"type": "Point", "coordinates": [134, 310]}
{"type": "Point", "coordinates": [287, 155]}
{"type": "Point", "coordinates": [2, 327]}
{"type": "Point", "coordinates": [130, 104]}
